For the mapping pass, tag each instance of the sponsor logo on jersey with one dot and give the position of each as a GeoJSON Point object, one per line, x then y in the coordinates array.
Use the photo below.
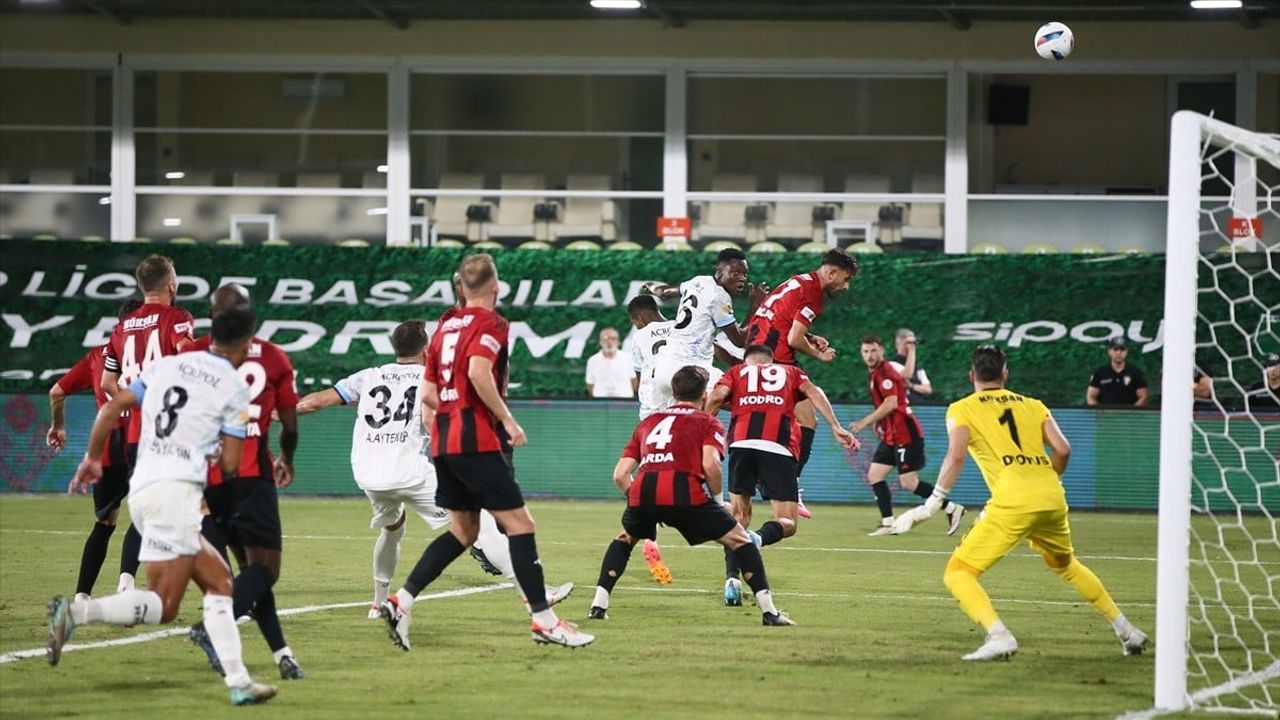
{"type": "Point", "coordinates": [887, 384]}
{"type": "Point", "coordinates": [490, 342]}
{"type": "Point", "coordinates": [809, 314]}
{"type": "Point", "coordinates": [197, 374]}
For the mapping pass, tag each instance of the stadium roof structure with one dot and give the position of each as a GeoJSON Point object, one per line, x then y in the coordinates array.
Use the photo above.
{"type": "Point", "coordinates": [671, 13]}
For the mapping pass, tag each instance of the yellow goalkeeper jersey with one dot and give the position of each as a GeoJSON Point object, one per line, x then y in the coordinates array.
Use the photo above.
{"type": "Point", "coordinates": [1006, 440]}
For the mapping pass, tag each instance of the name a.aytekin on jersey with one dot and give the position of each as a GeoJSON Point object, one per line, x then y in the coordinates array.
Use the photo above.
{"type": "Point", "coordinates": [191, 372]}
{"type": "Point", "coordinates": [164, 448]}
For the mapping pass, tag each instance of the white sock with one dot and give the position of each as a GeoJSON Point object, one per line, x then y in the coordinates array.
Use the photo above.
{"type": "Point", "coordinates": [225, 636]}
{"type": "Point", "coordinates": [282, 653]}
{"type": "Point", "coordinates": [495, 546]}
{"type": "Point", "coordinates": [948, 508]}
{"type": "Point", "coordinates": [132, 607]}
{"type": "Point", "coordinates": [126, 583]}
{"type": "Point", "coordinates": [386, 554]}
{"type": "Point", "coordinates": [998, 628]}
{"type": "Point", "coordinates": [602, 598]}
{"type": "Point", "coordinates": [405, 599]}
{"type": "Point", "coordinates": [546, 618]}
{"type": "Point", "coordinates": [764, 600]}
{"type": "Point", "coordinates": [1122, 625]}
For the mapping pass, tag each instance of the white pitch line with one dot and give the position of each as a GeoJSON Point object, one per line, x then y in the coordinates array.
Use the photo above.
{"type": "Point", "coordinates": [173, 632]}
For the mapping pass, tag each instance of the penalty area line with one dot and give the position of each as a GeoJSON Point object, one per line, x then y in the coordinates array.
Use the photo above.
{"type": "Point", "coordinates": [174, 632]}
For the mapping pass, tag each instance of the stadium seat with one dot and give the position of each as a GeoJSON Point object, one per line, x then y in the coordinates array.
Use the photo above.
{"type": "Point", "coordinates": [716, 246]}
{"type": "Point", "coordinates": [30, 214]}
{"type": "Point", "coordinates": [813, 247]}
{"type": "Point", "coordinates": [534, 245]}
{"type": "Point", "coordinates": [625, 245]}
{"type": "Point", "coordinates": [671, 245]}
{"type": "Point", "coordinates": [93, 238]}
{"type": "Point", "coordinates": [221, 241]}
{"type": "Point", "coordinates": [864, 212]}
{"type": "Point", "coordinates": [514, 217]}
{"type": "Point", "coordinates": [1135, 250]}
{"type": "Point", "coordinates": [1088, 249]}
{"type": "Point", "coordinates": [794, 220]}
{"type": "Point", "coordinates": [1039, 249]}
{"type": "Point", "coordinates": [200, 215]}
{"type": "Point", "coordinates": [923, 220]}
{"type": "Point", "coordinates": [353, 243]}
{"type": "Point", "coordinates": [450, 212]}
{"type": "Point", "coordinates": [44, 237]}
{"type": "Point", "coordinates": [587, 217]}
{"type": "Point", "coordinates": [866, 248]}
{"type": "Point", "coordinates": [768, 246]}
{"type": "Point", "coordinates": [317, 217]}
{"type": "Point", "coordinates": [987, 249]}
{"type": "Point", "coordinates": [449, 243]}
{"type": "Point", "coordinates": [582, 245]}
{"type": "Point", "coordinates": [141, 240]}
{"type": "Point", "coordinates": [277, 242]}
{"type": "Point", "coordinates": [192, 241]}
{"type": "Point", "coordinates": [488, 245]}
{"type": "Point", "coordinates": [726, 219]}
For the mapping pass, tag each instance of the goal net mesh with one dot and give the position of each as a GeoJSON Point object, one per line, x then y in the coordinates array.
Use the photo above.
{"type": "Point", "coordinates": [1233, 651]}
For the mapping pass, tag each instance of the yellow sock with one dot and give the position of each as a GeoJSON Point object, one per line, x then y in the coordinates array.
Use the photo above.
{"type": "Point", "coordinates": [1090, 588]}
{"type": "Point", "coordinates": [962, 580]}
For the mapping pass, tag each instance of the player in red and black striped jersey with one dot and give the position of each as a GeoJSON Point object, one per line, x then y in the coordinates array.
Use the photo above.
{"type": "Point", "coordinates": [670, 473]}
{"type": "Point", "coordinates": [764, 444]}
{"type": "Point", "coordinates": [901, 438]}
{"type": "Point", "coordinates": [784, 319]}
{"type": "Point", "coordinates": [244, 511]}
{"type": "Point", "coordinates": [464, 385]}
{"type": "Point", "coordinates": [113, 488]}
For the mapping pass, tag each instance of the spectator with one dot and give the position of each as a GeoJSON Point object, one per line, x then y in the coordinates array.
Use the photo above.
{"type": "Point", "coordinates": [1117, 382]}
{"type": "Point", "coordinates": [1264, 395]}
{"type": "Point", "coordinates": [609, 373]}
{"type": "Point", "coordinates": [918, 385]}
{"type": "Point", "coordinates": [1202, 387]}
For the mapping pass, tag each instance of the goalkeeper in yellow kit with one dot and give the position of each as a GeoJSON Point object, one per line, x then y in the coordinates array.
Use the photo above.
{"type": "Point", "coordinates": [1006, 433]}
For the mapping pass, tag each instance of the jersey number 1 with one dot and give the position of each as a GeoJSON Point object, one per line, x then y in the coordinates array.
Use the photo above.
{"type": "Point", "coordinates": [1007, 419]}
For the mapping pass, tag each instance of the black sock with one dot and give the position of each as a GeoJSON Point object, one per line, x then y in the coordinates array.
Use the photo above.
{"type": "Point", "coordinates": [95, 553]}
{"type": "Point", "coordinates": [129, 553]}
{"type": "Point", "coordinates": [770, 532]}
{"type": "Point", "coordinates": [524, 560]}
{"type": "Point", "coordinates": [923, 489]}
{"type": "Point", "coordinates": [442, 551]}
{"type": "Point", "coordinates": [264, 613]}
{"type": "Point", "coordinates": [248, 588]}
{"type": "Point", "coordinates": [615, 561]}
{"type": "Point", "coordinates": [806, 446]}
{"type": "Point", "coordinates": [884, 499]}
{"type": "Point", "coordinates": [211, 532]}
{"type": "Point", "coordinates": [730, 564]}
{"type": "Point", "coordinates": [752, 567]}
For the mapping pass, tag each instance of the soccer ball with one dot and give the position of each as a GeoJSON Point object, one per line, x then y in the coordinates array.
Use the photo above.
{"type": "Point", "coordinates": [1055, 41]}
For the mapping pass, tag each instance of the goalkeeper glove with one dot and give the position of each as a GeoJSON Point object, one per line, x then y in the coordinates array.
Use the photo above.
{"type": "Point", "coordinates": [936, 501]}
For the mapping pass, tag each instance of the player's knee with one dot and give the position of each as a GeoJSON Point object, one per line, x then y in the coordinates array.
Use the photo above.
{"type": "Point", "coordinates": [958, 570]}
{"type": "Point", "coordinates": [788, 526]}
{"type": "Point", "coordinates": [1058, 563]}
{"type": "Point", "coordinates": [625, 537]}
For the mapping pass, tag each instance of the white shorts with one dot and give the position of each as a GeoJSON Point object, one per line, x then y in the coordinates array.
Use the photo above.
{"type": "Point", "coordinates": [421, 498]}
{"type": "Point", "coordinates": [167, 515]}
{"type": "Point", "coordinates": [660, 390]}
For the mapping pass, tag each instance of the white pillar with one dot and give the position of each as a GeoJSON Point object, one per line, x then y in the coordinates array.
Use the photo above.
{"type": "Point", "coordinates": [675, 153]}
{"type": "Point", "coordinates": [123, 156]}
{"type": "Point", "coordinates": [1244, 201]}
{"type": "Point", "coordinates": [398, 202]}
{"type": "Point", "coordinates": [956, 211]}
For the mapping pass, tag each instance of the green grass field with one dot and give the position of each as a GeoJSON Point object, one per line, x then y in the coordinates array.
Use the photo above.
{"type": "Point", "coordinates": [878, 636]}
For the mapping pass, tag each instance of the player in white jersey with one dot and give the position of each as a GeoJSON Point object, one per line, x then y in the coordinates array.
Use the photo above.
{"type": "Point", "coordinates": [390, 457]}
{"type": "Point", "coordinates": [651, 334]}
{"type": "Point", "coordinates": [705, 309]}
{"type": "Point", "coordinates": [193, 406]}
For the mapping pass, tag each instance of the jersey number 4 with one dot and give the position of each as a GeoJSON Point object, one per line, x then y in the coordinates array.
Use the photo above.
{"type": "Point", "coordinates": [660, 436]}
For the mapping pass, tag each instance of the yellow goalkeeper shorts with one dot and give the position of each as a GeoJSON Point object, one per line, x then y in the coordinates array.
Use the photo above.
{"type": "Point", "coordinates": [998, 532]}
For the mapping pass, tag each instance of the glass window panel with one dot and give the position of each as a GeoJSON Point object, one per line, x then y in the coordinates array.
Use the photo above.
{"type": "Point", "coordinates": [1269, 103]}
{"type": "Point", "coordinates": [65, 215]}
{"type": "Point", "coordinates": [630, 163]}
{"type": "Point", "coordinates": [834, 166]}
{"type": "Point", "coordinates": [307, 160]}
{"type": "Point", "coordinates": [261, 100]}
{"type": "Point", "coordinates": [300, 220]}
{"type": "Point", "coordinates": [55, 97]}
{"type": "Point", "coordinates": [616, 103]}
{"type": "Point", "coordinates": [1114, 225]}
{"type": "Point", "coordinates": [601, 220]}
{"type": "Point", "coordinates": [49, 157]}
{"type": "Point", "coordinates": [817, 106]}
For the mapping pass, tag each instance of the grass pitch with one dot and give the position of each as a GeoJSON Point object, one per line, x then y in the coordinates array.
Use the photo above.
{"type": "Point", "coordinates": [878, 635]}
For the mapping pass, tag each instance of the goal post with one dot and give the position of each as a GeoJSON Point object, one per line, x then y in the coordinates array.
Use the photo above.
{"type": "Point", "coordinates": [1218, 575]}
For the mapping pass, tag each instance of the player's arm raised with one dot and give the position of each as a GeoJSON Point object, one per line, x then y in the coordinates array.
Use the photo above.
{"type": "Point", "coordinates": [820, 401]}
{"type": "Point", "coordinates": [889, 405]}
{"type": "Point", "coordinates": [90, 470]}
{"type": "Point", "coordinates": [799, 340]}
{"type": "Point", "coordinates": [660, 290]}
{"type": "Point", "coordinates": [1058, 442]}
{"type": "Point", "coordinates": [480, 373]}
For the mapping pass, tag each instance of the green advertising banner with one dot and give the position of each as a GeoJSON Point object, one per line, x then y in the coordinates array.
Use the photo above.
{"type": "Point", "coordinates": [331, 308]}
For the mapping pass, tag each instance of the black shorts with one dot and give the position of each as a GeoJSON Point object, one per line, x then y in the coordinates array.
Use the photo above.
{"type": "Point", "coordinates": [113, 488]}
{"type": "Point", "coordinates": [476, 481]}
{"type": "Point", "coordinates": [697, 523]}
{"type": "Point", "coordinates": [773, 473]}
{"type": "Point", "coordinates": [906, 458]}
{"type": "Point", "coordinates": [247, 511]}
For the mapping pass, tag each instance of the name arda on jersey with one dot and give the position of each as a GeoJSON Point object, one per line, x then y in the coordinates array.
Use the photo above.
{"type": "Point", "coordinates": [658, 458]}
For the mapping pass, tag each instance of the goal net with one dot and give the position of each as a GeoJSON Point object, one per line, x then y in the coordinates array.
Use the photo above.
{"type": "Point", "coordinates": [1218, 586]}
